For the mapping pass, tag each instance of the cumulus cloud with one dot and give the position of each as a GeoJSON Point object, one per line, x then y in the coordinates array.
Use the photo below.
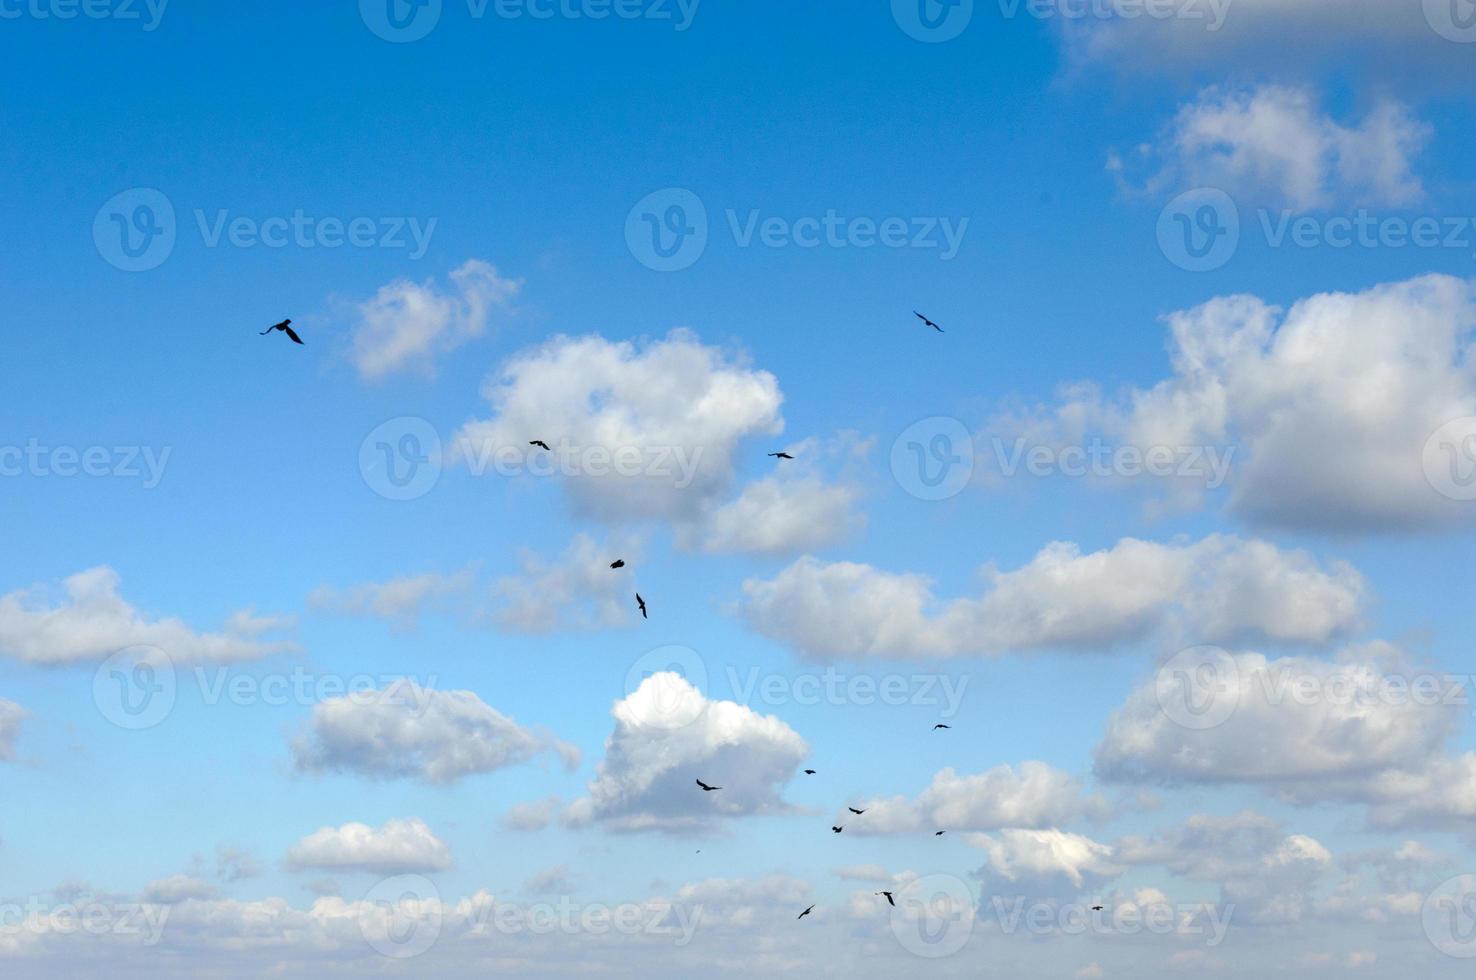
{"type": "Point", "coordinates": [90, 621]}
{"type": "Point", "coordinates": [1274, 146]}
{"type": "Point", "coordinates": [407, 731]}
{"type": "Point", "coordinates": [401, 601]}
{"type": "Point", "coordinates": [1332, 403]}
{"type": "Point", "coordinates": [1368, 728]}
{"type": "Point", "coordinates": [667, 736]}
{"type": "Point", "coordinates": [551, 881]}
{"type": "Point", "coordinates": [637, 430]}
{"type": "Point", "coordinates": [11, 716]}
{"type": "Point", "coordinates": [398, 847]}
{"type": "Point", "coordinates": [1042, 861]}
{"type": "Point", "coordinates": [531, 815]}
{"type": "Point", "coordinates": [1034, 796]}
{"type": "Point", "coordinates": [1267, 875]}
{"type": "Point", "coordinates": [1220, 588]}
{"type": "Point", "coordinates": [406, 326]}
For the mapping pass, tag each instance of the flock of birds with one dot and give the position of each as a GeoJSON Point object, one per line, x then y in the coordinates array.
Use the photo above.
{"type": "Point", "coordinates": [286, 327]}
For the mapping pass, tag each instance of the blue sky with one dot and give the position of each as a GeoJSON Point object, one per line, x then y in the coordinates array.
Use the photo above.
{"type": "Point", "coordinates": [502, 172]}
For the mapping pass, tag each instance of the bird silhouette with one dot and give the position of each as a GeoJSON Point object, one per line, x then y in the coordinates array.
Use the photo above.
{"type": "Point", "coordinates": [706, 788]}
{"type": "Point", "coordinates": [855, 811]}
{"type": "Point", "coordinates": [809, 772]}
{"type": "Point", "coordinates": [927, 321]}
{"type": "Point", "coordinates": [837, 829]}
{"type": "Point", "coordinates": [936, 727]}
{"type": "Point", "coordinates": [889, 898]}
{"type": "Point", "coordinates": [539, 443]}
{"type": "Point", "coordinates": [1096, 908]}
{"type": "Point", "coordinates": [285, 327]}
{"type": "Point", "coordinates": [781, 455]}
{"type": "Point", "coordinates": [940, 833]}
{"type": "Point", "coordinates": [618, 563]}
{"type": "Point", "coordinates": [805, 913]}
{"type": "Point", "coordinates": [642, 603]}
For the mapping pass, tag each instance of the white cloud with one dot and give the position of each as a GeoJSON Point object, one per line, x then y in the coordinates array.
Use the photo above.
{"type": "Point", "coordinates": [399, 847]}
{"type": "Point", "coordinates": [646, 431]}
{"type": "Point", "coordinates": [178, 888]}
{"type": "Point", "coordinates": [1331, 403]}
{"type": "Point", "coordinates": [647, 779]}
{"type": "Point", "coordinates": [1043, 858]}
{"type": "Point", "coordinates": [557, 880]}
{"type": "Point", "coordinates": [401, 601]}
{"type": "Point", "coordinates": [11, 716]}
{"type": "Point", "coordinates": [406, 326]}
{"type": "Point", "coordinates": [1034, 796]}
{"type": "Point", "coordinates": [531, 815]}
{"type": "Point", "coordinates": [1220, 589]}
{"type": "Point", "coordinates": [778, 516]}
{"type": "Point", "coordinates": [406, 731]}
{"type": "Point", "coordinates": [92, 621]}
{"type": "Point", "coordinates": [576, 591]}
{"type": "Point", "coordinates": [1274, 146]}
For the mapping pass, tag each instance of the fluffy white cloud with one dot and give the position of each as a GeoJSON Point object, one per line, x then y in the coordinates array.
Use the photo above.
{"type": "Point", "coordinates": [774, 515]}
{"type": "Point", "coordinates": [1274, 146]}
{"type": "Point", "coordinates": [1042, 858]}
{"type": "Point", "coordinates": [11, 716]}
{"type": "Point", "coordinates": [1331, 403]}
{"type": "Point", "coordinates": [644, 431]}
{"type": "Point", "coordinates": [1370, 728]}
{"type": "Point", "coordinates": [667, 736]}
{"type": "Point", "coordinates": [91, 621]}
{"type": "Point", "coordinates": [575, 591]}
{"type": "Point", "coordinates": [399, 847]}
{"type": "Point", "coordinates": [406, 731]}
{"type": "Point", "coordinates": [531, 815]}
{"type": "Point", "coordinates": [401, 600]}
{"type": "Point", "coordinates": [1220, 588]}
{"type": "Point", "coordinates": [407, 325]}
{"type": "Point", "coordinates": [1035, 796]}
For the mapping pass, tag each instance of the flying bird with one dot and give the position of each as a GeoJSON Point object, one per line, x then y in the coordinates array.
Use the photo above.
{"type": "Point", "coordinates": [837, 829]}
{"type": "Point", "coordinates": [809, 772]}
{"type": "Point", "coordinates": [285, 327]}
{"type": "Point", "coordinates": [936, 727]}
{"type": "Point", "coordinates": [1096, 908]}
{"type": "Point", "coordinates": [855, 811]}
{"type": "Point", "coordinates": [618, 563]}
{"type": "Point", "coordinates": [805, 913]}
{"type": "Point", "coordinates": [642, 603]}
{"type": "Point", "coordinates": [889, 898]}
{"type": "Point", "coordinates": [539, 443]}
{"type": "Point", "coordinates": [706, 788]}
{"type": "Point", "coordinates": [940, 833]}
{"type": "Point", "coordinates": [781, 455]}
{"type": "Point", "coordinates": [927, 321]}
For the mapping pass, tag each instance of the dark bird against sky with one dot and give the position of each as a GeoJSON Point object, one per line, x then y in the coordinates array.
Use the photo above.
{"type": "Point", "coordinates": [642, 603]}
{"type": "Point", "coordinates": [285, 327]}
{"type": "Point", "coordinates": [805, 912]}
{"type": "Point", "coordinates": [618, 563]}
{"type": "Point", "coordinates": [706, 788]}
{"type": "Point", "coordinates": [539, 443]}
{"type": "Point", "coordinates": [927, 321]}
{"type": "Point", "coordinates": [889, 898]}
